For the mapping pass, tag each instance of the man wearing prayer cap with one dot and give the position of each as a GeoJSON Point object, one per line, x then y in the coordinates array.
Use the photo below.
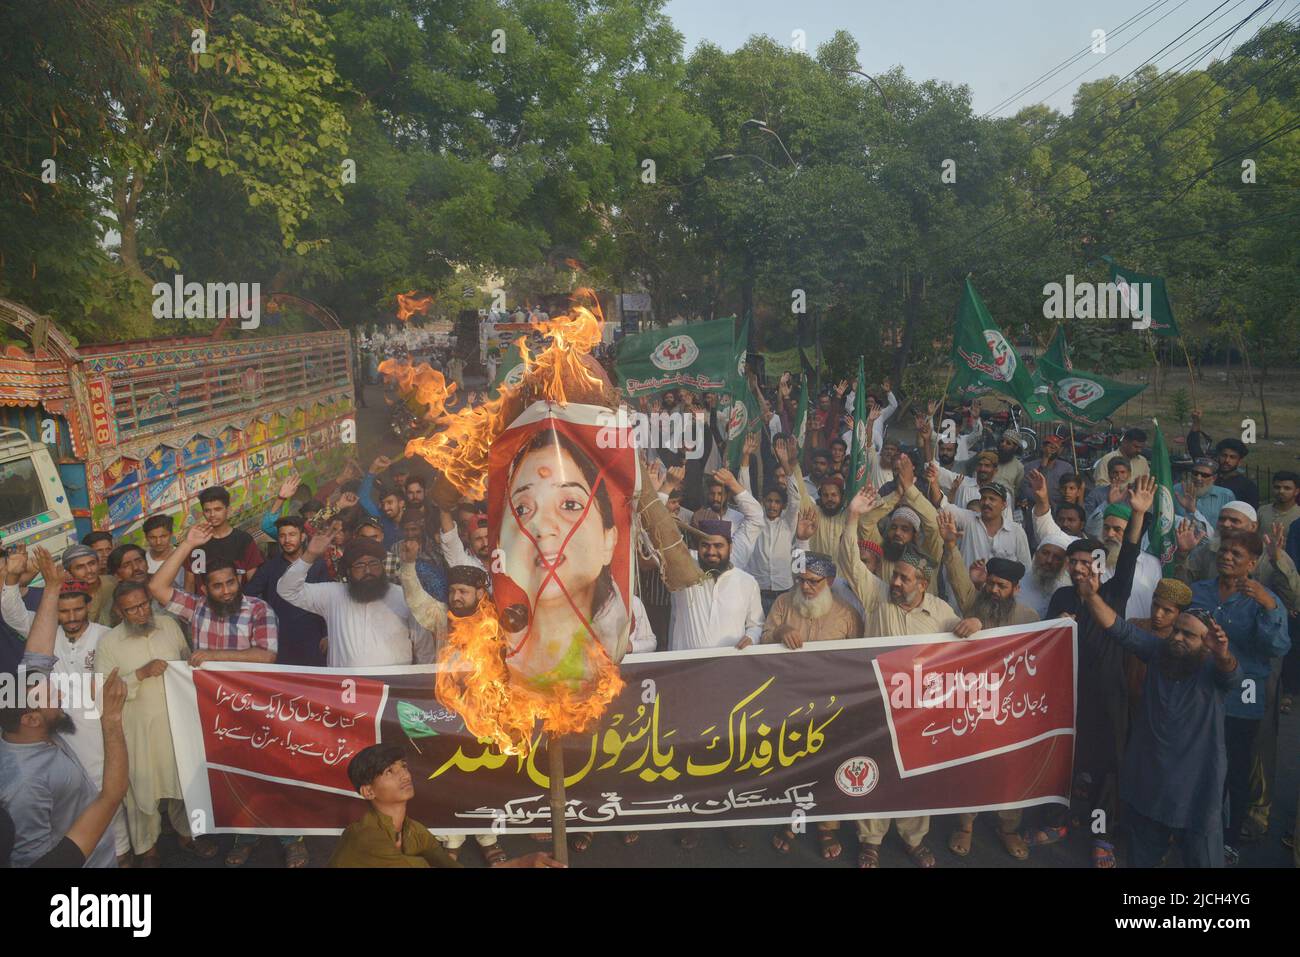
{"type": "Point", "coordinates": [1011, 471]}
{"type": "Point", "coordinates": [901, 519]}
{"type": "Point", "coordinates": [724, 607]}
{"type": "Point", "coordinates": [904, 606]}
{"type": "Point", "coordinates": [367, 619]}
{"type": "Point", "coordinates": [811, 611]}
{"type": "Point", "coordinates": [1170, 598]}
{"type": "Point", "coordinates": [1276, 571]}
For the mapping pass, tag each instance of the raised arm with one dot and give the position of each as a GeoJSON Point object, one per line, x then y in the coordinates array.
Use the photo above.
{"type": "Point", "coordinates": [860, 578]}
{"type": "Point", "coordinates": [161, 582]}
{"type": "Point", "coordinates": [954, 564]}
{"type": "Point", "coordinates": [91, 824]}
{"type": "Point", "coordinates": [293, 586]}
{"type": "Point", "coordinates": [45, 623]}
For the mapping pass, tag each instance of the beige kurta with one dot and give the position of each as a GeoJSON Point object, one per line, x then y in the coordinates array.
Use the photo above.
{"type": "Point", "coordinates": [927, 540]}
{"type": "Point", "coordinates": [829, 527]}
{"type": "Point", "coordinates": [883, 617]}
{"type": "Point", "coordinates": [964, 588]}
{"type": "Point", "coordinates": [153, 773]}
{"type": "Point", "coordinates": [841, 621]}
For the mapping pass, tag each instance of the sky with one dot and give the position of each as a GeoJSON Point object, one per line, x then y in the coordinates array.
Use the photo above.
{"type": "Point", "coordinates": [995, 47]}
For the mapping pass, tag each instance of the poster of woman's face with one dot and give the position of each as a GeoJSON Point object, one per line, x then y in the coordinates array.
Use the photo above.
{"type": "Point", "coordinates": [559, 515]}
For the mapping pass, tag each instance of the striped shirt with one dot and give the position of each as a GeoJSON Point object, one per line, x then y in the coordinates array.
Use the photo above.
{"type": "Point", "coordinates": [253, 626]}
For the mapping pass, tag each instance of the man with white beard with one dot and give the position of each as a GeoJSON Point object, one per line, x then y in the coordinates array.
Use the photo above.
{"type": "Point", "coordinates": [1047, 573]}
{"type": "Point", "coordinates": [810, 611]}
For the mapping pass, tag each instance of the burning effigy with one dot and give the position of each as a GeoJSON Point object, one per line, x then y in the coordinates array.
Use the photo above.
{"type": "Point", "coordinates": [545, 645]}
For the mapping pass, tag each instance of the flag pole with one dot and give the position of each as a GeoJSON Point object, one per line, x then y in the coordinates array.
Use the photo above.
{"type": "Point", "coordinates": [1074, 449]}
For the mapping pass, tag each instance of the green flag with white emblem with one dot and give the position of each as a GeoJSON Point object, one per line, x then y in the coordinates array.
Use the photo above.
{"type": "Point", "coordinates": [1083, 398]}
{"type": "Point", "coordinates": [1161, 540]}
{"type": "Point", "coordinates": [984, 360]}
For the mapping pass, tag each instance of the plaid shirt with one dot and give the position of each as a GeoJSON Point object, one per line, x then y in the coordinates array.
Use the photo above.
{"type": "Point", "coordinates": [253, 627]}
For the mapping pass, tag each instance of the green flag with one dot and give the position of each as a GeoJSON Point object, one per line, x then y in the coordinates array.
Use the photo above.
{"type": "Point", "coordinates": [861, 435]}
{"type": "Point", "coordinates": [1084, 398]}
{"type": "Point", "coordinates": [1161, 540]}
{"type": "Point", "coordinates": [744, 416]}
{"type": "Point", "coordinates": [697, 355]}
{"type": "Point", "coordinates": [984, 360]}
{"type": "Point", "coordinates": [1058, 350]}
{"type": "Point", "coordinates": [1145, 296]}
{"type": "Point", "coordinates": [510, 371]}
{"type": "Point", "coordinates": [414, 722]}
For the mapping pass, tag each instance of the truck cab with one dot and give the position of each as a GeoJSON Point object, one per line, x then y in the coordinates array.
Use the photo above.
{"type": "Point", "coordinates": [34, 508]}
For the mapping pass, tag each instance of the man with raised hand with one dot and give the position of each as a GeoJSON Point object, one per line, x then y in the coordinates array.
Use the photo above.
{"type": "Point", "coordinates": [1176, 760]}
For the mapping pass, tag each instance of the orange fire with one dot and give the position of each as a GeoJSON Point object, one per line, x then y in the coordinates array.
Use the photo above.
{"type": "Point", "coordinates": [408, 305]}
{"type": "Point", "coordinates": [476, 681]}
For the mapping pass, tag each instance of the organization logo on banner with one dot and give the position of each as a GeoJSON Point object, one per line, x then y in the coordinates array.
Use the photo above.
{"type": "Point", "coordinates": [675, 353]}
{"type": "Point", "coordinates": [1004, 357]}
{"type": "Point", "coordinates": [1080, 393]}
{"type": "Point", "coordinates": [858, 776]}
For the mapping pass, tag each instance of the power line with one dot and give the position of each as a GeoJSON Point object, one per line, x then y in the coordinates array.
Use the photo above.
{"type": "Point", "coordinates": [1067, 62]}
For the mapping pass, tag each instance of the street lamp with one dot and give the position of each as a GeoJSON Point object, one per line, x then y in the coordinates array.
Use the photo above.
{"type": "Point", "coordinates": [767, 129]}
{"type": "Point", "coordinates": [732, 156]}
{"type": "Point", "coordinates": [880, 89]}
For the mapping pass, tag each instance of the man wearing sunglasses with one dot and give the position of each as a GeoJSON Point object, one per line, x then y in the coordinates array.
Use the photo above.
{"type": "Point", "coordinates": [1197, 493]}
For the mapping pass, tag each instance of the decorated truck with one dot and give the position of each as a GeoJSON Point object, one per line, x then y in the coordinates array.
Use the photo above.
{"type": "Point", "coordinates": [103, 436]}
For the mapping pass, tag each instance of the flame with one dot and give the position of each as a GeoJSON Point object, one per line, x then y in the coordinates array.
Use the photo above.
{"type": "Point", "coordinates": [408, 305]}
{"type": "Point", "coordinates": [476, 681]}
{"type": "Point", "coordinates": [459, 444]}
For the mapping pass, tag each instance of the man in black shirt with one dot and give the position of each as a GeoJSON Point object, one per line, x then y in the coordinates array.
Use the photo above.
{"type": "Point", "coordinates": [1231, 452]}
{"type": "Point", "coordinates": [1101, 723]}
{"type": "Point", "coordinates": [227, 543]}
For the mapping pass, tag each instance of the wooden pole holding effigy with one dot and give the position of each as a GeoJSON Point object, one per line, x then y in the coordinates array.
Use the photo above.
{"type": "Point", "coordinates": [555, 771]}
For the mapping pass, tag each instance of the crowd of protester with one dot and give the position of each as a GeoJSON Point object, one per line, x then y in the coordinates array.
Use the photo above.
{"type": "Point", "coordinates": [1181, 678]}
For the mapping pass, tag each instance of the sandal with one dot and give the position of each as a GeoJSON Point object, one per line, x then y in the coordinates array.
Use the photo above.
{"type": "Point", "coordinates": [1014, 844]}
{"type": "Point", "coordinates": [201, 847]}
{"type": "Point", "coordinates": [737, 842]}
{"type": "Point", "coordinates": [783, 840]}
{"type": "Point", "coordinates": [831, 847]}
{"type": "Point", "coordinates": [1287, 704]}
{"type": "Point", "coordinates": [580, 842]}
{"type": "Point", "coordinates": [868, 856]}
{"type": "Point", "coordinates": [239, 854]}
{"type": "Point", "coordinates": [631, 837]}
{"type": "Point", "coordinates": [1103, 855]}
{"type": "Point", "coordinates": [922, 856]}
{"type": "Point", "coordinates": [689, 841]}
{"type": "Point", "coordinates": [1043, 836]}
{"type": "Point", "coordinates": [295, 855]}
{"type": "Point", "coordinates": [494, 854]}
{"type": "Point", "coordinates": [959, 841]}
